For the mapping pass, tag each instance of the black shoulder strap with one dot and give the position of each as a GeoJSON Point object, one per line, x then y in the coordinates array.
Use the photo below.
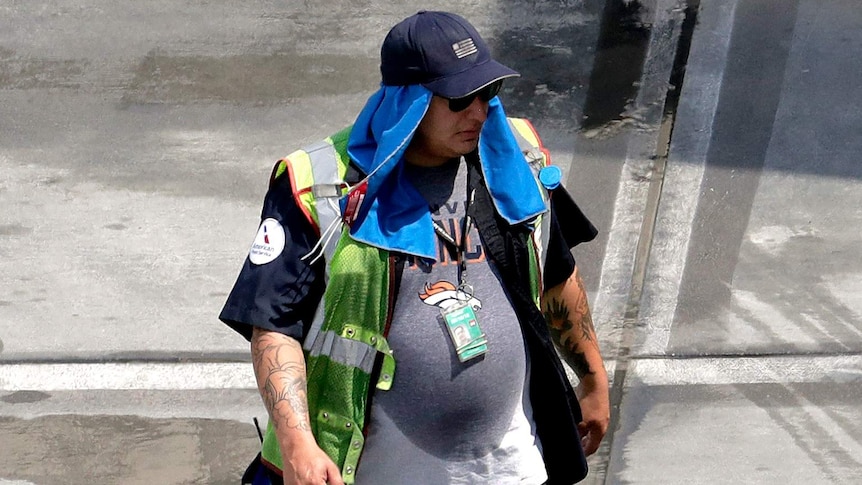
{"type": "Point", "coordinates": [353, 175]}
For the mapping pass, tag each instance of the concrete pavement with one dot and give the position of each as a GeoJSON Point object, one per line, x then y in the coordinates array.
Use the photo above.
{"type": "Point", "coordinates": [744, 359]}
{"type": "Point", "coordinates": [135, 143]}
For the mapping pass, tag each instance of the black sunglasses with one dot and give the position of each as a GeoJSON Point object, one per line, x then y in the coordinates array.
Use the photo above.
{"type": "Point", "coordinates": [485, 94]}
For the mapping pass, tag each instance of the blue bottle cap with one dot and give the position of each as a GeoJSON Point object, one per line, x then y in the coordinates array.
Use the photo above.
{"type": "Point", "coordinates": [550, 177]}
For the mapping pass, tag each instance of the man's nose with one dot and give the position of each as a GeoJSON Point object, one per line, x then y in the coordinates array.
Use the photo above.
{"type": "Point", "coordinates": [478, 110]}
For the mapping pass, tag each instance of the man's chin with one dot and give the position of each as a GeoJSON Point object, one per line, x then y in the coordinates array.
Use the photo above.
{"type": "Point", "coordinates": [468, 146]}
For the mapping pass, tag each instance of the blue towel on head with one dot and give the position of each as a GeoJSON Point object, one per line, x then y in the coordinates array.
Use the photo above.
{"type": "Point", "coordinates": [394, 215]}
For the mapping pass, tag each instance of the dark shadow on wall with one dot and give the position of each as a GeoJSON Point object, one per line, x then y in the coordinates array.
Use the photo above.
{"type": "Point", "coordinates": [618, 65]}
{"type": "Point", "coordinates": [579, 61]}
{"type": "Point", "coordinates": [553, 50]}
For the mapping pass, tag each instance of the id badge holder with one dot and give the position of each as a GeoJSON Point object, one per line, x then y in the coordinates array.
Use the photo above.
{"type": "Point", "coordinates": [463, 326]}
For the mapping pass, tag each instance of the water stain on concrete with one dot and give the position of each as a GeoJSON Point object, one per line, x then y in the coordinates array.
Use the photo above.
{"type": "Point", "coordinates": [89, 450]}
{"type": "Point", "coordinates": [15, 230]}
{"type": "Point", "coordinates": [253, 78]}
{"type": "Point", "coordinates": [52, 180]}
{"type": "Point", "coordinates": [25, 397]}
{"type": "Point", "coordinates": [116, 227]}
{"type": "Point", "coordinates": [18, 72]}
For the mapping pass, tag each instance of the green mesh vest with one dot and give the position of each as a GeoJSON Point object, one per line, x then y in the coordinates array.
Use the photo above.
{"type": "Point", "coordinates": [347, 336]}
{"type": "Point", "coordinates": [340, 361]}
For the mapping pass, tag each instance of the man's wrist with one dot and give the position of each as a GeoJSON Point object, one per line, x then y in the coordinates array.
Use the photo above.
{"type": "Point", "coordinates": [294, 438]}
{"type": "Point", "coordinates": [596, 380]}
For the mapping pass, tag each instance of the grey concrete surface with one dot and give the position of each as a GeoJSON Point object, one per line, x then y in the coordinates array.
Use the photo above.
{"type": "Point", "coordinates": [746, 363]}
{"type": "Point", "coordinates": [135, 145]}
{"type": "Point", "coordinates": [80, 449]}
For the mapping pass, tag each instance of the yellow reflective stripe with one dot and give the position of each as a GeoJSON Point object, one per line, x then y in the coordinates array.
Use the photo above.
{"type": "Point", "coordinates": [302, 178]}
{"type": "Point", "coordinates": [279, 169]}
{"type": "Point", "coordinates": [525, 130]}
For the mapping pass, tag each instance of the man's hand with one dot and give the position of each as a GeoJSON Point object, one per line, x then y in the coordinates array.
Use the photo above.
{"type": "Point", "coordinates": [595, 408]}
{"type": "Point", "coordinates": [307, 464]}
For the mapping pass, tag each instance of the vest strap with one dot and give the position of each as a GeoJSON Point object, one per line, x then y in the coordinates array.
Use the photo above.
{"type": "Point", "coordinates": [332, 191]}
{"type": "Point", "coordinates": [355, 445]}
{"type": "Point", "coordinates": [345, 351]}
{"type": "Point", "coordinates": [380, 344]}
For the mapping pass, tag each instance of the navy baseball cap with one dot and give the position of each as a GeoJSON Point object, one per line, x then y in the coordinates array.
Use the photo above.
{"type": "Point", "coordinates": [440, 51]}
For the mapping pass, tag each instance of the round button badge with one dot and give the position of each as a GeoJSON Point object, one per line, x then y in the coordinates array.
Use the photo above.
{"type": "Point", "coordinates": [268, 243]}
{"type": "Point", "coordinates": [550, 177]}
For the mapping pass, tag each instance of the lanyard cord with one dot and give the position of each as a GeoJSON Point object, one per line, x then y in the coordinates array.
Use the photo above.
{"type": "Point", "coordinates": [460, 249]}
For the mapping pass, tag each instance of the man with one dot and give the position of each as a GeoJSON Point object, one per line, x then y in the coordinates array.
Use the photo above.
{"type": "Point", "coordinates": [411, 346]}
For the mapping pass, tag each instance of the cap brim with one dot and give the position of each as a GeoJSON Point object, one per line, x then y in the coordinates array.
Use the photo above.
{"type": "Point", "coordinates": [468, 82]}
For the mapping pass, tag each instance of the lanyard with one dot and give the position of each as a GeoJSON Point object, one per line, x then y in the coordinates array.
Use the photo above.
{"type": "Point", "coordinates": [460, 248]}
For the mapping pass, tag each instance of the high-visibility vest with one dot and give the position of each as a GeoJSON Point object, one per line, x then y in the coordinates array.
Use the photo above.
{"type": "Point", "coordinates": [348, 331]}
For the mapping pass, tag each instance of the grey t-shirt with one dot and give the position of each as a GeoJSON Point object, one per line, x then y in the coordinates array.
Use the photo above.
{"type": "Point", "coordinates": [446, 421]}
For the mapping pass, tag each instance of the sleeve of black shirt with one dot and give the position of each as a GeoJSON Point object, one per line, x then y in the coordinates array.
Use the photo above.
{"type": "Point", "coordinates": [568, 228]}
{"type": "Point", "coordinates": [281, 295]}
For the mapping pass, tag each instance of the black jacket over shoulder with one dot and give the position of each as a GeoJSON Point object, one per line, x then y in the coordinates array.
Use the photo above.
{"type": "Point", "coordinates": [555, 408]}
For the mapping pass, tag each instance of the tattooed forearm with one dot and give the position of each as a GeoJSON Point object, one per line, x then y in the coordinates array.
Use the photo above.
{"type": "Point", "coordinates": [280, 369]}
{"type": "Point", "coordinates": [557, 316]}
{"type": "Point", "coordinates": [583, 315]}
{"type": "Point", "coordinates": [567, 313]}
{"type": "Point", "coordinates": [578, 362]}
{"type": "Point", "coordinates": [564, 332]}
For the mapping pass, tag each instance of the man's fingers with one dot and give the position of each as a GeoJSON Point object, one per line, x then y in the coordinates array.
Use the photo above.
{"type": "Point", "coordinates": [590, 438]}
{"type": "Point", "coordinates": [333, 475]}
{"type": "Point", "coordinates": [590, 445]}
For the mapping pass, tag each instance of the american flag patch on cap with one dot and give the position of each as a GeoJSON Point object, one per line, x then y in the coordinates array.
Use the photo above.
{"type": "Point", "coordinates": [464, 48]}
